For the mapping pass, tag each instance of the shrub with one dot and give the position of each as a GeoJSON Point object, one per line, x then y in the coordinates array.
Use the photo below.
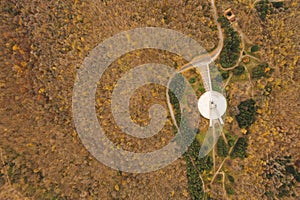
{"type": "Point", "coordinates": [281, 169]}
{"type": "Point", "coordinates": [222, 148]}
{"type": "Point", "coordinates": [247, 113]}
{"type": "Point", "coordinates": [254, 48]}
{"type": "Point", "coordinates": [229, 190]}
{"type": "Point", "coordinates": [201, 89]}
{"type": "Point", "coordinates": [224, 22]}
{"type": "Point", "coordinates": [268, 89]}
{"type": "Point", "coordinates": [230, 178]}
{"type": "Point", "coordinates": [259, 71]}
{"type": "Point", "coordinates": [239, 150]}
{"type": "Point", "coordinates": [277, 4]}
{"type": "Point", "coordinates": [263, 8]}
{"type": "Point", "coordinates": [192, 80]}
{"type": "Point", "coordinates": [225, 75]}
{"type": "Point", "coordinates": [239, 70]}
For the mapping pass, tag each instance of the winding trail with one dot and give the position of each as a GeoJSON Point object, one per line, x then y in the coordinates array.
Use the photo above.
{"type": "Point", "coordinates": [206, 59]}
{"type": "Point", "coordinates": [212, 57]}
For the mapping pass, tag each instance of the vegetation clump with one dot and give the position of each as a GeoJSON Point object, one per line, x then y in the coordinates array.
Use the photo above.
{"type": "Point", "coordinates": [239, 70]}
{"type": "Point", "coordinates": [201, 164]}
{"type": "Point", "coordinates": [231, 50]}
{"type": "Point", "coordinates": [229, 190]}
{"type": "Point", "coordinates": [262, 70]}
{"type": "Point", "coordinates": [263, 8]}
{"type": "Point", "coordinates": [222, 148]}
{"type": "Point", "coordinates": [225, 75]}
{"type": "Point", "coordinates": [277, 5]}
{"type": "Point", "coordinates": [176, 91]}
{"type": "Point", "coordinates": [254, 48]}
{"type": "Point", "coordinates": [283, 175]}
{"type": "Point", "coordinates": [268, 89]}
{"type": "Point", "coordinates": [247, 113]}
{"type": "Point", "coordinates": [230, 178]}
{"type": "Point", "coordinates": [193, 80]}
{"type": "Point", "coordinates": [239, 149]}
{"type": "Point", "coordinates": [231, 139]}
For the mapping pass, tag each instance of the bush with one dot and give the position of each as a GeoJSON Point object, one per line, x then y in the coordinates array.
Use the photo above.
{"type": "Point", "coordinates": [201, 89]}
{"type": "Point", "coordinates": [224, 22]}
{"type": "Point", "coordinates": [231, 139]}
{"type": "Point", "coordinates": [192, 80]}
{"type": "Point", "coordinates": [222, 148]}
{"type": "Point", "coordinates": [291, 170]}
{"type": "Point", "coordinates": [259, 71]}
{"type": "Point", "coordinates": [247, 113]}
{"type": "Point", "coordinates": [277, 4]}
{"type": "Point", "coordinates": [281, 169]}
{"type": "Point", "coordinates": [229, 190]}
{"type": "Point", "coordinates": [230, 178]}
{"type": "Point", "coordinates": [239, 70]}
{"type": "Point", "coordinates": [225, 75]}
{"type": "Point", "coordinates": [239, 150]}
{"type": "Point", "coordinates": [254, 48]}
{"type": "Point", "coordinates": [177, 87]}
{"type": "Point", "coordinates": [263, 8]}
{"type": "Point", "coordinates": [268, 89]}
{"type": "Point", "coordinates": [194, 182]}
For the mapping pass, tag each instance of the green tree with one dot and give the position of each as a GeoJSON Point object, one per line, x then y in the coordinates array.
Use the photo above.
{"type": "Point", "coordinates": [222, 148]}
{"type": "Point", "coordinates": [240, 148]}
{"type": "Point", "coordinates": [254, 48]}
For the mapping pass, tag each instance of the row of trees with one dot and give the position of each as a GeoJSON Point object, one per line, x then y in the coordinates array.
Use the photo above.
{"type": "Point", "coordinates": [202, 164]}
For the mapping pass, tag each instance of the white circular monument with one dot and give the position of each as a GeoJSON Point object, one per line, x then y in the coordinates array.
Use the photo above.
{"type": "Point", "coordinates": [212, 105]}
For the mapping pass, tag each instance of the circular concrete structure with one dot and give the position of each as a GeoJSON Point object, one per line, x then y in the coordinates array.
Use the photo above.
{"type": "Point", "coordinates": [212, 100]}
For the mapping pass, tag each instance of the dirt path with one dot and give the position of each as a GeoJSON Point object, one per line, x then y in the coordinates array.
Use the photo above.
{"type": "Point", "coordinates": [213, 55]}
